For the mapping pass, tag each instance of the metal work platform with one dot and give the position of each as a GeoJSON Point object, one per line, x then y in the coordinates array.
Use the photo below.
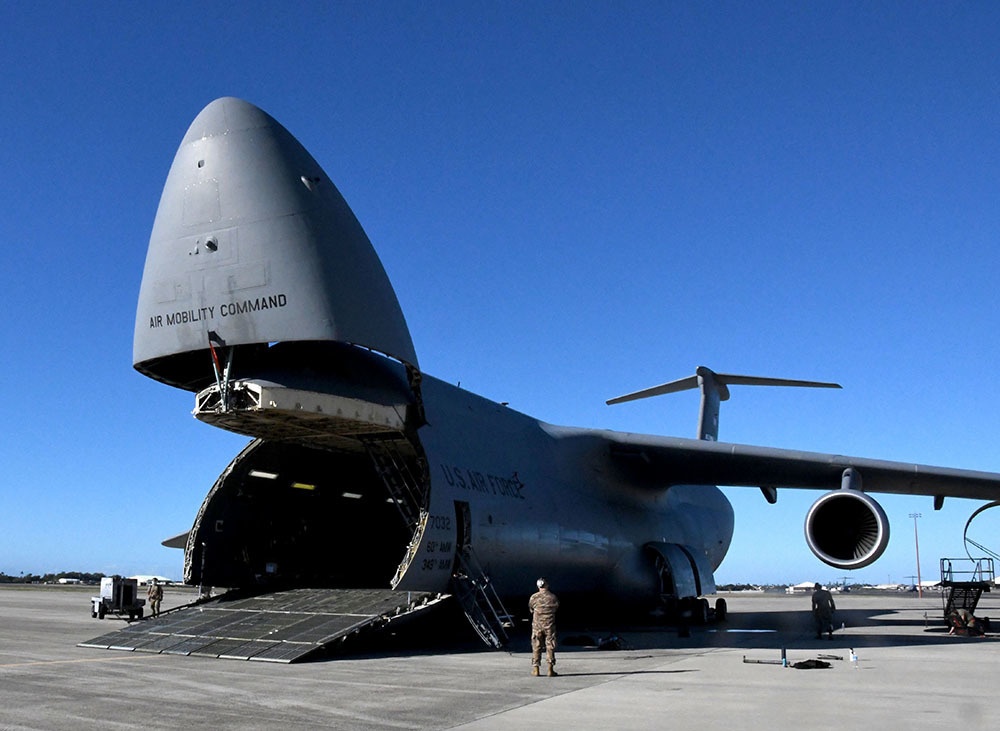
{"type": "Point", "coordinates": [964, 581]}
{"type": "Point", "coordinates": [282, 627]}
{"type": "Point", "coordinates": [270, 411]}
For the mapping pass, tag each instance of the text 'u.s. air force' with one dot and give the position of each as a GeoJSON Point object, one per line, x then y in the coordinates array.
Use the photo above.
{"type": "Point", "coordinates": [467, 479]}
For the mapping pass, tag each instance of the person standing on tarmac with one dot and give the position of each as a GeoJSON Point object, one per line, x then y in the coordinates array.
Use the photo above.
{"type": "Point", "coordinates": [543, 605]}
{"type": "Point", "coordinates": [823, 609]}
{"type": "Point", "coordinates": [155, 595]}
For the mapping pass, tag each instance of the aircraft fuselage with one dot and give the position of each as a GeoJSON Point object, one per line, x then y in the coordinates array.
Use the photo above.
{"type": "Point", "coordinates": [523, 497]}
{"type": "Point", "coordinates": [548, 500]}
{"type": "Point", "coordinates": [262, 294]}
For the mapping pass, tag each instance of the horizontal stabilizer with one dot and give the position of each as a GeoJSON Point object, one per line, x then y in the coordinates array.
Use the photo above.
{"type": "Point", "coordinates": [714, 389]}
{"type": "Point", "coordinates": [178, 541]}
{"type": "Point", "coordinates": [722, 379]}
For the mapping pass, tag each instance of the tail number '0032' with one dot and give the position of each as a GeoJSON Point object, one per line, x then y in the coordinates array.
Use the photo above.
{"type": "Point", "coordinates": [439, 522]}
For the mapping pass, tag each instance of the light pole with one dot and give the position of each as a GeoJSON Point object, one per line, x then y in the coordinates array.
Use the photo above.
{"type": "Point", "coordinates": [916, 541]}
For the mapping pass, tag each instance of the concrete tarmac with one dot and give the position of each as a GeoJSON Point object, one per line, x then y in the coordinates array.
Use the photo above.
{"type": "Point", "coordinates": [910, 674]}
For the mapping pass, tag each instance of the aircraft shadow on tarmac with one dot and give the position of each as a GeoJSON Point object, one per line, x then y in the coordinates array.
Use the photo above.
{"type": "Point", "coordinates": [876, 627]}
{"type": "Point", "coordinates": [765, 630]}
{"type": "Point", "coordinates": [789, 625]}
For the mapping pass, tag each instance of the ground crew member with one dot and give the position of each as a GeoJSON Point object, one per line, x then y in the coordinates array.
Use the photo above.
{"type": "Point", "coordinates": [963, 622]}
{"type": "Point", "coordinates": [543, 605]}
{"type": "Point", "coordinates": [823, 609]}
{"type": "Point", "coordinates": [155, 595]}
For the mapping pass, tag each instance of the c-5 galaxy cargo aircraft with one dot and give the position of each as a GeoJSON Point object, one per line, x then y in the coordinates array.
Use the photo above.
{"type": "Point", "coordinates": [367, 478]}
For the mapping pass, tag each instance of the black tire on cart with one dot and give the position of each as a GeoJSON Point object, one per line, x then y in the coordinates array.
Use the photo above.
{"type": "Point", "coordinates": [100, 611]}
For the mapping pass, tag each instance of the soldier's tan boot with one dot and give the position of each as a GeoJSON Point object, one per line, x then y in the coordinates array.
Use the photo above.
{"type": "Point", "coordinates": [534, 670]}
{"type": "Point", "coordinates": [552, 671]}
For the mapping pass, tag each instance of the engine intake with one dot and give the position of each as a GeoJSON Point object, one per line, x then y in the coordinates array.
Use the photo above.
{"type": "Point", "coordinates": [847, 529]}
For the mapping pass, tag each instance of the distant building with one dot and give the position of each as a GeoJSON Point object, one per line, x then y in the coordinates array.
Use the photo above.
{"type": "Point", "coordinates": [68, 581]}
{"type": "Point", "coordinates": [144, 579]}
{"type": "Point", "coordinates": [804, 587]}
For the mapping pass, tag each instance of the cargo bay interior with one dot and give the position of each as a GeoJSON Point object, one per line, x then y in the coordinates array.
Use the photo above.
{"type": "Point", "coordinates": [284, 514]}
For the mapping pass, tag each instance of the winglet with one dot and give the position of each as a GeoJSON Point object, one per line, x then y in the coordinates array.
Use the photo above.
{"type": "Point", "coordinates": [714, 390]}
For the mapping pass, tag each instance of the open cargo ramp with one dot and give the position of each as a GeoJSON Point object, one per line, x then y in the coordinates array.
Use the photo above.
{"type": "Point", "coordinates": [285, 626]}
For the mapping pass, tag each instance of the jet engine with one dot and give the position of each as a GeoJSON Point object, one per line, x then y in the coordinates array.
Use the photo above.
{"type": "Point", "coordinates": [847, 529]}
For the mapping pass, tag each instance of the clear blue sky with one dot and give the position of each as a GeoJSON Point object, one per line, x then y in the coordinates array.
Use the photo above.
{"type": "Point", "coordinates": [573, 200]}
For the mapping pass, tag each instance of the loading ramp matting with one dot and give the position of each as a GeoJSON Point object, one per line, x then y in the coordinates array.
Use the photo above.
{"type": "Point", "coordinates": [283, 626]}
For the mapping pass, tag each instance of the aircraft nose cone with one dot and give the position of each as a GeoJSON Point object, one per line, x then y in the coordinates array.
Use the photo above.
{"type": "Point", "coordinates": [225, 115]}
{"type": "Point", "coordinates": [253, 243]}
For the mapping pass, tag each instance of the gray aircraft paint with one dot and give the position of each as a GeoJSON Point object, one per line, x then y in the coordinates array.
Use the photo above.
{"type": "Point", "coordinates": [255, 252]}
{"type": "Point", "coordinates": [240, 246]}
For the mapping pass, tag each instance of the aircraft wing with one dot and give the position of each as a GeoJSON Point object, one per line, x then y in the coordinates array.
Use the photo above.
{"type": "Point", "coordinates": [674, 460]}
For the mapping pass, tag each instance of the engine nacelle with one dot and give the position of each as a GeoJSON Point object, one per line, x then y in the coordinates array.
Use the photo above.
{"type": "Point", "coordinates": [847, 529]}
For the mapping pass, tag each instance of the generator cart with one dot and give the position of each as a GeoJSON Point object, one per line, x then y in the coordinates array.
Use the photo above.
{"type": "Point", "coordinates": [119, 596]}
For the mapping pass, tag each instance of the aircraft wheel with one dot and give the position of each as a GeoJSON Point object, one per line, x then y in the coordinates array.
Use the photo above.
{"type": "Point", "coordinates": [686, 609]}
{"type": "Point", "coordinates": [721, 610]}
{"type": "Point", "coordinates": [701, 611]}
{"type": "Point", "coordinates": [671, 609]}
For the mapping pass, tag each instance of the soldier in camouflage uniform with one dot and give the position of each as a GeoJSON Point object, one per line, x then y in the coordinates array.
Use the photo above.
{"type": "Point", "coordinates": [823, 608]}
{"type": "Point", "coordinates": [543, 605]}
{"type": "Point", "coordinates": [155, 595]}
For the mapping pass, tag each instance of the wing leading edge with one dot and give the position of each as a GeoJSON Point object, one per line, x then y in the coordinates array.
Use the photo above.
{"type": "Point", "coordinates": [678, 461]}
